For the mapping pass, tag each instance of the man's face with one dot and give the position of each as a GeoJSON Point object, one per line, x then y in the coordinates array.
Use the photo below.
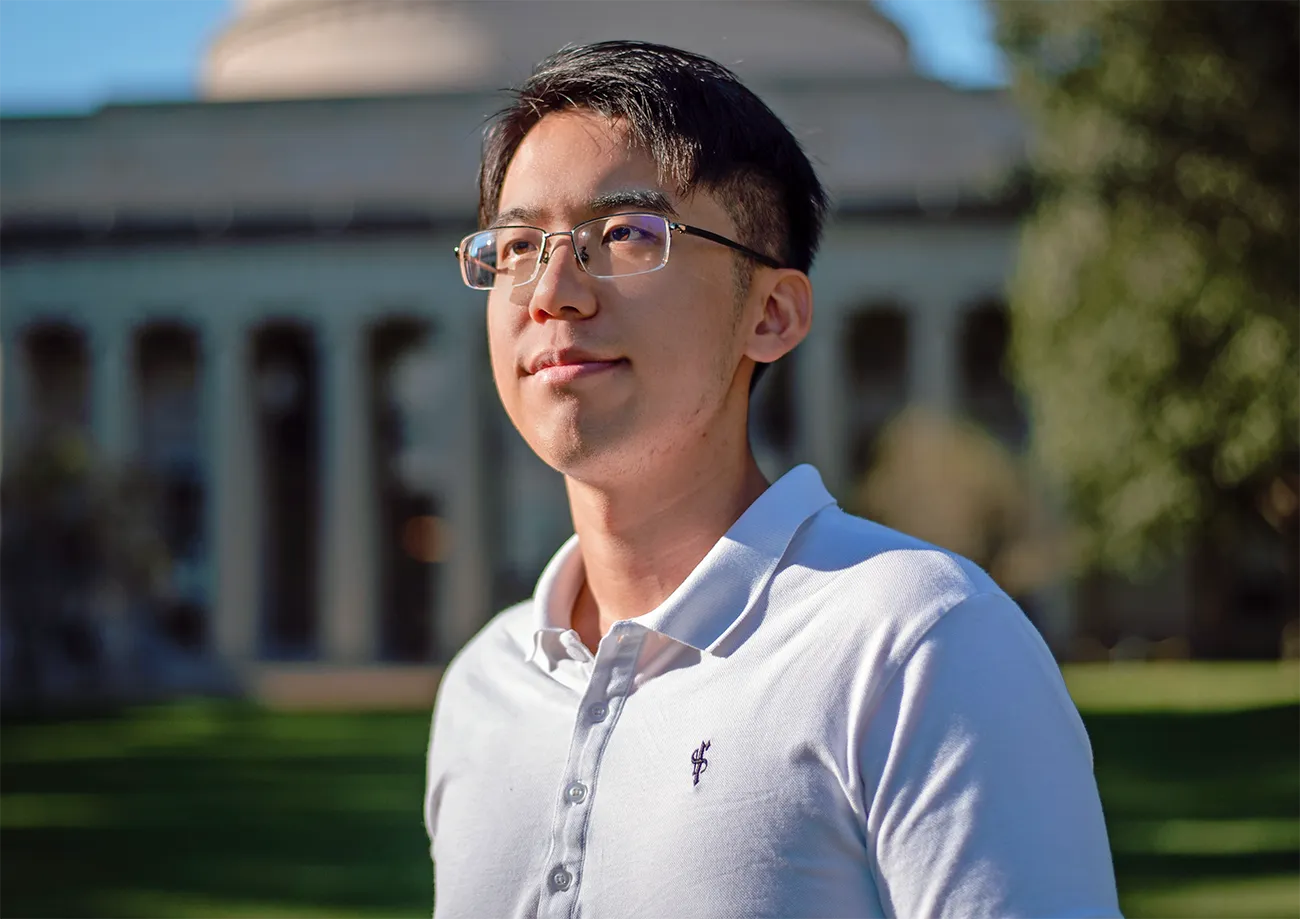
{"type": "Point", "coordinates": [655, 355]}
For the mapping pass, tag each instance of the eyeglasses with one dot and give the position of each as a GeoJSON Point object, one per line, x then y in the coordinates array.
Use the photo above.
{"type": "Point", "coordinates": [617, 246]}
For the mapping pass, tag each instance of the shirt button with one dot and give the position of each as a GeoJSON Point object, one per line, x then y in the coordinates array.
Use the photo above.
{"type": "Point", "coordinates": [598, 711]}
{"type": "Point", "coordinates": [561, 879]}
{"type": "Point", "coordinates": [576, 793]}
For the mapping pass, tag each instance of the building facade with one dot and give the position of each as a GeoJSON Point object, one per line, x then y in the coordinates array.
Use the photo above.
{"type": "Point", "coordinates": [250, 302]}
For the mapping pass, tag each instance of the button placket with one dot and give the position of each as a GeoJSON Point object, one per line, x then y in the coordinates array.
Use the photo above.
{"type": "Point", "coordinates": [611, 680]}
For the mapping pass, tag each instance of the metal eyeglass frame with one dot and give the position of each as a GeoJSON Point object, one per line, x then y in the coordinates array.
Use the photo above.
{"type": "Point", "coordinates": [672, 227]}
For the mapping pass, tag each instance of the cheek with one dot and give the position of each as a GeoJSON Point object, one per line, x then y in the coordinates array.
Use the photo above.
{"type": "Point", "coordinates": [501, 351]}
{"type": "Point", "coordinates": [696, 348]}
{"type": "Point", "coordinates": [712, 318]}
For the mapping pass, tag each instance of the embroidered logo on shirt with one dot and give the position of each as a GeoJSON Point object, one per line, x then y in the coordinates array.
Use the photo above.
{"type": "Point", "coordinates": [697, 757]}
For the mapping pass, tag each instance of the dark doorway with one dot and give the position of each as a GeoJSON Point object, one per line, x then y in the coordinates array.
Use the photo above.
{"type": "Point", "coordinates": [52, 557]}
{"type": "Point", "coordinates": [987, 392]}
{"type": "Point", "coordinates": [287, 394]}
{"type": "Point", "coordinates": [58, 361]}
{"type": "Point", "coordinates": [876, 356]}
{"type": "Point", "coordinates": [413, 534]}
{"type": "Point", "coordinates": [167, 372]}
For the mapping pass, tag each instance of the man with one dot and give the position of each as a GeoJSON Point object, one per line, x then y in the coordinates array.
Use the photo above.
{"type": "Point", "coordinates": [725, 698]}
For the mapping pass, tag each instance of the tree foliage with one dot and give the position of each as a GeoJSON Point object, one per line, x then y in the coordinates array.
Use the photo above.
{"type": "Point", "coordinates": [82, 557]}
{"type": "Point", "coordinates": [1154, 303]}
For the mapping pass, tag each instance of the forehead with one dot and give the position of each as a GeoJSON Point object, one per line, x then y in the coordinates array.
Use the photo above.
{"type": "Point", "coordinates": [571, 159]}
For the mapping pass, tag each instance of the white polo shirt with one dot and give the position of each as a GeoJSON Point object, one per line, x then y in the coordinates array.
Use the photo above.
{"type": "Point", "coordinates": [827, 718]}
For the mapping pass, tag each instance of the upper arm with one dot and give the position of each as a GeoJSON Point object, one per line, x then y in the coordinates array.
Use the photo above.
{"type": "Point", "coordinates": [978, 774]}
{"type": "Point", "coordinates": [436, 752]}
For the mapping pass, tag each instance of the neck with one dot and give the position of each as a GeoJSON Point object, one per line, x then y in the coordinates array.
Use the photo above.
{"type": "Point", "coordinates": [640, 541]}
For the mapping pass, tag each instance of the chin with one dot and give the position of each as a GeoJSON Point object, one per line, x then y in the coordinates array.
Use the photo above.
{"type": "Point", "coordinates": [590, 452]}
{"type": "Point", "coordinates": [572, 451]}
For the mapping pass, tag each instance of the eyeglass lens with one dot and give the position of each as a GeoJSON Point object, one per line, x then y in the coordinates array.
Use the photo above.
{"type": "Point", "coordinates": [607, 247]}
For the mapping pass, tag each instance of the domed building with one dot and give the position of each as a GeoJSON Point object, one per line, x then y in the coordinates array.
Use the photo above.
{"type": "Point", "coordinates": [297, 48]}
{"type": "Point", "coordinates": [251, 301]}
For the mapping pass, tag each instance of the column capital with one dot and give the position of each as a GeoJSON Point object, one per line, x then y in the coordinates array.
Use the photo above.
{"type": "Point", "coordinates": [343, 331]}
{"type": "Point", "coordinates": [223, 331]}
{"type": "Point", "coordinates": [108, 337]}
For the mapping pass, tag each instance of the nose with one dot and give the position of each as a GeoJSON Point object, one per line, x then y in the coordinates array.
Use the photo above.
{"type": "Point", "coordinates": [562, 290]}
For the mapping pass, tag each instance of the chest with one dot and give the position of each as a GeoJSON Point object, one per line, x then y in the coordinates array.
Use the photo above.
{"type": "Point", "coordinates": [682, 796]}
{"type": "Point", "coordinates": [719, 805]}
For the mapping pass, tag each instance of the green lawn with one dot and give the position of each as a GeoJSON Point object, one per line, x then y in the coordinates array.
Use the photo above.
{"type": "Point", "coordinates": [1199, 771]}
{"type": "Point", "coordinates": [221, 809]}
{"type": "Point", "coordinates": [214, 809]}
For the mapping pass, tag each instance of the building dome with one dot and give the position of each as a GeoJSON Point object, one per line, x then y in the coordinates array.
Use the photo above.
{"type": "Point", "coordinates": [295, 48]}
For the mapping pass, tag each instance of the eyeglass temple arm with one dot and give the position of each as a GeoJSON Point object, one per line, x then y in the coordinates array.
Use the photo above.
{"type": "Point", "coordinates": [479, 262]}
{"type": "Point", "coordinates": [731, 244]}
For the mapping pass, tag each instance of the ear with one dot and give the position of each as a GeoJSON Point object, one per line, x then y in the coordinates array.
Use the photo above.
{"type": "Point", "coordinates": [785, 317]}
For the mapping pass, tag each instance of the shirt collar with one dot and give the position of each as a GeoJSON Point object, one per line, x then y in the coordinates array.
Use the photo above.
{"type": "Point", "coordinates": [724, 585]}
{"type": "Point", "coordinates": [553, 598]}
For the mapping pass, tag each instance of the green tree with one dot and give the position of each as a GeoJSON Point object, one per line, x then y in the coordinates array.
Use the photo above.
{"type": "Point", "coordinates": [81, 563]}
{"type": "Point", "coordinates": [1154, 303]}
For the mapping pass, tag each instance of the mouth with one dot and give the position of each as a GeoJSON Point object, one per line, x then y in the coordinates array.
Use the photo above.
{"type": "Point", "coordinates": [569, 365]}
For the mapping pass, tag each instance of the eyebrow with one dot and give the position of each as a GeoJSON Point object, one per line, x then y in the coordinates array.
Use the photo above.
{"type": "Point", "coordinates": [641, 199]}
{"type": "Point", "coordinates": [517, 215]}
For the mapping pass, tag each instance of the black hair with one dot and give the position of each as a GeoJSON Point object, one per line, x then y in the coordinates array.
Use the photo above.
{"type": "Point", "coordinates": [702, 127]}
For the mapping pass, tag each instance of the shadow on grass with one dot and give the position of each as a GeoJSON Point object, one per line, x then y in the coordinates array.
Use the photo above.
{"type": "Point", "coordinates": [288, 811]}
{"type": "Point", "coordinates": [1224, 787]}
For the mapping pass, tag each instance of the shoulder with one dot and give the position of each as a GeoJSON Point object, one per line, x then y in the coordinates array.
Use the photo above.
{"type": "Point", "coordinates": [904, 604]}
{"type": "Point", "coordinates": [868, 566]}
{"type": "Point", "coordinates": [861, 597]}
{"type": "Point", "coordinates": [506, 636]}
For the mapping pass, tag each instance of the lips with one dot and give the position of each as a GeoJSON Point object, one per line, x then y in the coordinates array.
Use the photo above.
{"type": "Point", "coordinates": [562, 356]}
{"type": "Point", "coordinates": [565, 365]}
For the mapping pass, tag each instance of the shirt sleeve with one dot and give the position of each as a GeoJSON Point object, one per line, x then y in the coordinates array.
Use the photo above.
{"type": "Point", "coordinates": [436, 753]}
{"type": "Point", "coordinates": [977, 770]}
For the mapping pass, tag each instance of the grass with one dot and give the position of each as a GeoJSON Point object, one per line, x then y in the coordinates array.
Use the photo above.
{"type": "Point", "coordinates": [223, 809]}
{"type": "Point", "coordinates": [1199, 770]}
{"type": "Point", "coordinates": [1180, 686]}
{"type": "Point", "coordinates": [214, 809]}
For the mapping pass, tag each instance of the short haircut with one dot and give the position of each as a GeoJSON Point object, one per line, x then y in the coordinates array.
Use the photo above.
{"type": "Point", "coordinates": [702, 127]}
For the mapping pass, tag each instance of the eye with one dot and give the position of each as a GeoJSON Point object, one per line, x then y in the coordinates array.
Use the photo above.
{"type": "Point", "coordinates": [629, 233]}
{"type": "Point", "coordinates": [621, 234]}
{"type": "Point", "coordinates": [516, 247]}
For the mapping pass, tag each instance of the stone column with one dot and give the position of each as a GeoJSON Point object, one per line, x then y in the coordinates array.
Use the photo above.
{"type": "Point", "coordinates": [113, 394]}
{"type": "Point", "coordinates": [14, 398]}
{"type": "Point", "coordinates": [462, 606]}
{"type": "Point", "coordinates": [820, 391]}
{"type": "Point", "coordinates": [232, 483]}
{"type": "Point", "coordinates": [933, 362]}
{"type": "Point", "coordinates": [348, 571]}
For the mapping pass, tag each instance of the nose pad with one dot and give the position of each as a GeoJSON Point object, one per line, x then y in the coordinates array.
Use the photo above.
{"type": "Point", "coordinates": [548, 249]}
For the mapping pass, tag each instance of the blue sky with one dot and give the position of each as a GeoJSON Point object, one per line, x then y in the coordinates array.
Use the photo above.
{"type": "Point", "coordinates": [73, 55]}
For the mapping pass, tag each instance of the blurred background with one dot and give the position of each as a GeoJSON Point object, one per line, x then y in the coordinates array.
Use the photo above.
{"type": "Point", "coordinates": [256, 488]}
